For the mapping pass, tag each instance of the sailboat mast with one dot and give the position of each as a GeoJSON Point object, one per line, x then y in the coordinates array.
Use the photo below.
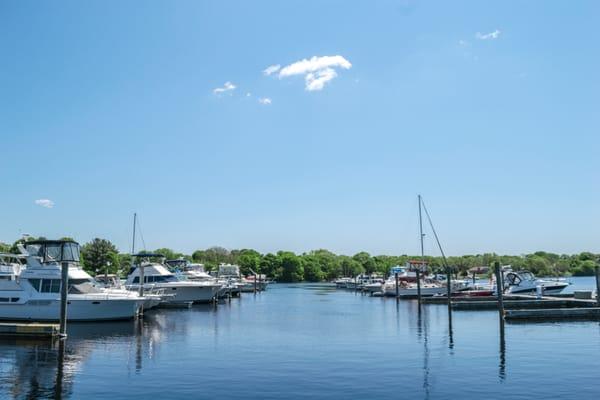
{"type": "Point", "coordinates": [421, 230]}
{"type": "Point", "coordinates": [133, 241]}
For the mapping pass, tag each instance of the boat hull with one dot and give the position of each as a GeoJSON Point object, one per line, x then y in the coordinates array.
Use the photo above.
{"type": "Point", "coordinates": [77, 310]}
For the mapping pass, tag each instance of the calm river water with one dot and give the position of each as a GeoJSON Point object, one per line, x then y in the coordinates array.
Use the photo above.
{"type": "Point", "coordinates": [309, 341]}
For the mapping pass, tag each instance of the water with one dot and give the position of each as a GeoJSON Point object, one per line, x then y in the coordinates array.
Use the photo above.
{"type": "Point", "coordinates": [309, 341]}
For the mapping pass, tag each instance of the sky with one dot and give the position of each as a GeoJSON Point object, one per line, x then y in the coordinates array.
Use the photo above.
{"type": "Point", "coordinates": [301, 125]}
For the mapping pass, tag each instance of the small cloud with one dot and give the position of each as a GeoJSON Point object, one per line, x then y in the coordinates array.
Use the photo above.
{"type": "Point", "coordinates": [317, 71]}
{"type": "Point", "coordinates": [248, 94]}
{"type": "Point", "coordinates": [271, 69]}
{"type": "Point", "coordinates": [265, 100]}
{"type": "Point", "coordinates": [488, 36]}
{"type": "Point", "coordinates": [227, 87]}
{"type": "Point", "coordinates": [45, 203]}
{"type": "Point", "coordinates": [463, 43]}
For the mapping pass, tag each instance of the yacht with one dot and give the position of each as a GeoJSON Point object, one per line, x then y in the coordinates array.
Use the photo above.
{"type": "Point", "coordinates": [524, 282]}
{"type": "Point", "coordinates": [158, 277]}
{"type": "Point", "coordinates": [196, 273]}
{"type": "Point", "coordinates": [33, 293]}
{"type": "Point", "coordinates": [232, 273]}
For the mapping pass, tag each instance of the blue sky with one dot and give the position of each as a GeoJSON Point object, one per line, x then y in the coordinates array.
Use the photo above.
{"type": "Point", "coordinates": [490, 110]}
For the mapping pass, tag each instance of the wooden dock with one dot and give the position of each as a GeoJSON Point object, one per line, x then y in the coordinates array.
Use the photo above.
{"type": "Point", "coordinates": [28, 329]}
{"type": "Point", "coordinates": [524, 304]}
{"type": "Point", "coordinates": [553, 314]}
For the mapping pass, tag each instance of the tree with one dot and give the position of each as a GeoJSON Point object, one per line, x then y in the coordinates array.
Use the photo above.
{"type": "Point", "coordinates": [249, 260]}
{"type": "Point", "coordinates": [4, 247]}
{"type": "Point", "coordinates": [366, 261]}
{"type": "Point", "coordinates": [291, 267]}
{"type": "Point", "coordinates": [312, 269]}
{"type": "Point", "coordinates": [100, 255]}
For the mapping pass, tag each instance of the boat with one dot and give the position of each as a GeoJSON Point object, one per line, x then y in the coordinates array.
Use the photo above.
{"type": "Point", "coordinates": [525, 282]}
{"type": "Point", "coordinates": [342, 283]}
{"type": "Point", "coordinates": [196, 273]}
{"type": "Point", "coordinates": [157, 277]}
{"type": "Point", "coordinates": [32, 292]}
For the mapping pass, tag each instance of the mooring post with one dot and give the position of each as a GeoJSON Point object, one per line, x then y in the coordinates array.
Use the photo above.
{"type": "Point", "coordinates": [63, 298]}
{"type": "Point", "coordinates": [449, 288]}
{"type": "Point", "coordinates": [473, 278]}
{"type": "Point", "coordinates": [255, 278]}
{"type": "Point", "coordinates": [499, 289]}
{"type": "Point", "coordinates": [418, 271]}
{"type": "Point", "coordinates": [397, 289]}
{"type": "Point", "coordinates": [598, 285]}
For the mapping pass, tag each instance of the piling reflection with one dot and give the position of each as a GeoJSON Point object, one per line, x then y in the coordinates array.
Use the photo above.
{"type": "Point", "coordinates": [44, 369]}
{"type": "Point", "coordinates": [502, 365]}
{"type": "Point", "coordinates": [423, 335]}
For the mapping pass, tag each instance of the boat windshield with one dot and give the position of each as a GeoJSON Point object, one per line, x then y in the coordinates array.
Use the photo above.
{"type": "Point", "coordinates": [527, 276]}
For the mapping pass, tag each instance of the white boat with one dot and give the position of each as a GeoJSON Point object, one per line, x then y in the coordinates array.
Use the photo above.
{"type": "Point", "coordinates": [342, 283]}
{"type": "Point", "coordinates": [158, 277]}
{"type": "Point", "coordinates": [410, 289]}
{"type": "Point", "coordinates": [524, 282]}
{"type": "Point", "coordinates": [33, 293]}
{"type": "Point", "coordinates": [196, 273]}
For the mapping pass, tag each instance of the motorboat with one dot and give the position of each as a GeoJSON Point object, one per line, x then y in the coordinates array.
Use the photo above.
{"type": "Point", "coordinates": [32, 292]}
{"type": "Point", "coordinates": [410, 289]}
{"type": "Point", "coordinates": [342, 283]}
{"type": "Point", "coordinates": [524, 282]}
{"type": "Point", "coordinates": [112, 283]}
{"type": "Point", "coordinates": [196, 273]}
{"type": "Point", "coordinates": [180, 290]}
{"type": "Point", "coordinates": [231, 273]}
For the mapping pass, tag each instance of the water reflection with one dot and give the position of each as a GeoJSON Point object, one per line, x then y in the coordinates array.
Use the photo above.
{"type": "Point", "coordinates": [423, 335]}
{"type": "Point", "coordinates": [502, 365]}
{"type": "Point", "coordinates": [45, 369]}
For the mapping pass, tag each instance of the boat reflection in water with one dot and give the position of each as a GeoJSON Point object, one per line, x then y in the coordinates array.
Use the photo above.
{"type": "Point", "coordinates": [45, 369]}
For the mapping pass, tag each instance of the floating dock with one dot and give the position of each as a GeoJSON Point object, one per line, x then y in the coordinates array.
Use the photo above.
{"type": "Point", "coordinates": [28, 329]}
{"type": "Point", "coordinates": [553, 314]}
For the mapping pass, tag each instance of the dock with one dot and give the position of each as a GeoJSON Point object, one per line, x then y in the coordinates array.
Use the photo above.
{"type": "Point", "coordinates": [553, 314]}
{"type": "Point", "coordinates": [28, 329]}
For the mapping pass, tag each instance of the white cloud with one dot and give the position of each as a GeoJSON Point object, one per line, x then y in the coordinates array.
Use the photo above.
{"type": "Point", "coordinates": [317, 71]}
{"type": "Point", "coordinates": [248, 94]}
{"type": "Point", "coordinates": [227, 87]}
{"type": "Point", "coordinates": [45, 203]}
{"type": "Point", "coordinates": [265, 100]}
{"type": "Point", "coordinates": [316, 80]}
{"type": "Point", "coordinates": [487, 36]}
{"type": "Point", "coordinates": [271, 69]}
{"type": "Point", "coordinates": [463, 43]}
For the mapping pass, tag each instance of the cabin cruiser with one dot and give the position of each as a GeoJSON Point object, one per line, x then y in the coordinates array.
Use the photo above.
{"type": "Point", "coordinates": [231, 272]}
{"type": "Point", "coordinates": [524, 282]}
{"type": "Point", "coordinates": [157, 277]}
{"type": "Point", "coordinates": [342, 283]}
{"type": "Point", "coordinates": [33, 293]}
{"type": "Point", "coordinates": [196, 273]}
{"type": "Point", "coordinates": [112, 283]}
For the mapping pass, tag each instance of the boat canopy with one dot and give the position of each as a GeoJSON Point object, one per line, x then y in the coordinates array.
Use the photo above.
{"type": "Point", "coordinates": [53, 250]}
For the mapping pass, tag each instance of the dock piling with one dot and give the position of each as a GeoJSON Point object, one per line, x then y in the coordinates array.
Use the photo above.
{"type": "Point", "coordinates": [499, 290]}
{"type": "Point", "coordinates": [63, 298]}
{"type": "Point", "coordinates": [397, 289]}
{"type": "Point", "coordinates": [597, 270]}
{"type": "Point", "coordinates": [418, 271]}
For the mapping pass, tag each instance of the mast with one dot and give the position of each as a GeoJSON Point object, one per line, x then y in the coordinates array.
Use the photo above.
{"type": "Point", "coordinates": [422, 254]}
{"type": "Point", "coordinates": [421, 230]}
{"type": "Point", "coordinates": [133, 242]}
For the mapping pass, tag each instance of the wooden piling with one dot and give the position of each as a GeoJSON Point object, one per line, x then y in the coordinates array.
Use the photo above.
{"type": "Point", "coordinates": [449, 289]}
{"type": "Point", "coordinates": [397, 288]}
{"type": "Point", "coordinates": [598, 285]}
{"type": "Point", "coordinates": [499, 289]}
{"type": "Point", "coordinates": [255, 282]}
{"type": "Point", "coordinates": [418, 284]}
{"type": "Point", "coordinates": [63, 298]}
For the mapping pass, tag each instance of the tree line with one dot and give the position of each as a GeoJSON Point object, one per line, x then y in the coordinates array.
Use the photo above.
{"type": "Point", "coordinates": [100, 255]}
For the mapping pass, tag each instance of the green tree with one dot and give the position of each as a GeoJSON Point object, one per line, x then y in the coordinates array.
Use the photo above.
{"type": "Point", "coordinates": [312, 269]}
{"type": "Point", "coordinates": [249, 260]}
{"type": "Point", "coordinates": [100, 256]}
{"type": "Point", "coordinates": [292, 269]}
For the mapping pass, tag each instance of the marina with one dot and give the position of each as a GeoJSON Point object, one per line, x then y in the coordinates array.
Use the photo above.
{"type": "Point", "coordinates": [309, 341]}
